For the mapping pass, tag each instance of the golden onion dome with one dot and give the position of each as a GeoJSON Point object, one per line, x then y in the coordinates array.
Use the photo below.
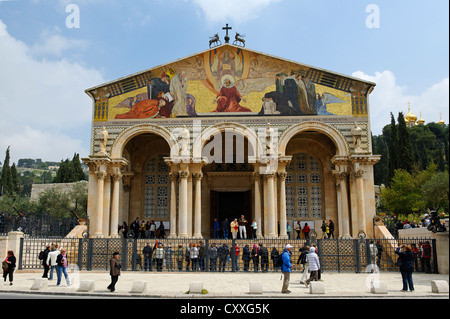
{"type": "Point", "coordinates": [410, 117]}
{"type": "Point", "coordinates": [421, 120]}
{"type": "Point", "coordinates": [441, 121]}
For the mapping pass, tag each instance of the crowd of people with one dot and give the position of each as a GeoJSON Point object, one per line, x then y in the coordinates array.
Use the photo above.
{"type": "Point", "coordinates": [142, 229]}
{"type": "Point", "coordinates": [195, 256]}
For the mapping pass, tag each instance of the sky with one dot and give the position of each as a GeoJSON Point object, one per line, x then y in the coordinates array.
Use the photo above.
{"type": "Point", "coordinates": [51, 51]}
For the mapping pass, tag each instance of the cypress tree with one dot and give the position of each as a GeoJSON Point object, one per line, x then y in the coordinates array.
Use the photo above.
{"type": "Point", "coordinates": [405, 158]}
{"type": "Point", "coordinates": [6, 184]}
{"type": "Point", "coordinates": [15, 185]}
{"type": "Point", "coordinates": [392, 150]}
{"type": "Point", "coordinates": [78, 174]}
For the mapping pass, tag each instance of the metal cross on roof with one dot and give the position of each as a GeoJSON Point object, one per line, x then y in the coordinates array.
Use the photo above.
{"type": "Point", "coordinates": [227, 38]}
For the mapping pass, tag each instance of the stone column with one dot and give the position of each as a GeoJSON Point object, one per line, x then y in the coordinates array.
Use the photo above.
{"type": "Point", "coordinates": [198, 205]}
{"type": "Point", "coordinates": [183, 204]}
{"type": "Point", "coordinates": [106, 204]}
{"type": "Point", "coordinates": [98, 233]}
{"type": "Point", "coordinates": [271, 206]}
{"type": "Point", "coordinates": [258, 219]}
{"type": "Point", "coordinates": [92, 194]}
{"type": "Point", "coordinates": [173, 205]}
{"type": "Point", "coordinates": [360, 200]}
{"type": "Point", "coordinates": [344, 216]}
{"type": "Point", "coordinates": [114, 231]}
{"type": "Point", "coordinates": [283, 222]}
{"type": "Point", "coordinates": [189, 205]}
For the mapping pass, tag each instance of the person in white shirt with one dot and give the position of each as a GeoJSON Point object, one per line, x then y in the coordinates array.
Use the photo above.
{"type": "Point", "coordinates": [51, 260]}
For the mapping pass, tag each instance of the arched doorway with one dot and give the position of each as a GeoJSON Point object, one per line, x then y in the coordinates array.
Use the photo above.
{"type": "Point", "coordinates": [147, 192]}
{"type": "Point", "coordinates": [228, 186]}
{"type": "Point", "coordinates": [310, 182]}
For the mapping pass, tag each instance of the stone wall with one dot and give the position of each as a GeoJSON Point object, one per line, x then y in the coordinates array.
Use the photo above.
{"type": "Point", "coordinates": [38, 189]}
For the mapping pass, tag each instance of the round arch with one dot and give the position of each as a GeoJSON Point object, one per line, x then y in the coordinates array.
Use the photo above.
{"type": "Point", "coordinates": [209, 132]}
{"type": "Point", "coordinates": [336, 136]}
{"type": "Point", "coordinates": [124, 137]}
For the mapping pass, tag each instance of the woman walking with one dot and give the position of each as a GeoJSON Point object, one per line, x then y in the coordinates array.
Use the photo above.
{"type": "Point", "coordinates": [407, 266]}
{"type": "Point", "coordinates": [61, 268]}
{"type": "Point", "coordinates": [10, 261]}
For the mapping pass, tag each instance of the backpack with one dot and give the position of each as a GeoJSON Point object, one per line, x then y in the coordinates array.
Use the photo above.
{"type": "Point", "coordinates": [279, 261]}
{"type": "Point", "coordinates": [41, 255]}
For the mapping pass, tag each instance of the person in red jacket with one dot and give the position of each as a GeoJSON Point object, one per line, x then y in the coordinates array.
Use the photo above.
{"type": "Point", "coordinates": [306, 230]}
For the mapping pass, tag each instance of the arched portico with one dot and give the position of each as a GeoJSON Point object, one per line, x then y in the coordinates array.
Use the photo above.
{"type": "Point", "coordinates": [124, 137]}
{"type": "Point", "coordinates": [342, 148]}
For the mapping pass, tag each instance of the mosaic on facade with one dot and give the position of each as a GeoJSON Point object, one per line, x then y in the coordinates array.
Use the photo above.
{"type": "Point", "coordinates": [229, 81]}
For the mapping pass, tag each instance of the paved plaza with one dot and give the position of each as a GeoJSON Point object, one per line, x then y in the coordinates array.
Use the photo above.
{"type": "Point", "coordinates": [225, 285]}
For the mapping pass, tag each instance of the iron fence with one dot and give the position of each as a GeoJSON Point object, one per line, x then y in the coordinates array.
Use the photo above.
{"type": "Point", "coordinates": [36, 225]}
{"type": "Point", "coordinates": [229, 255]}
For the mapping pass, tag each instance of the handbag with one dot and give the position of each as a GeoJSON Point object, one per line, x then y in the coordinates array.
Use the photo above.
{"type": "Point", "coordinates": [4, 265]}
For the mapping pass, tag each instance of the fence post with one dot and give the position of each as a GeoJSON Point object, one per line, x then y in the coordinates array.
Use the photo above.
{"type": "Point", "coordinates": [80, 254]}
{"type": "Point", "coordinates": [20, 253]}
{"type": "Point", "coordinates": [233, 255]}
{"type": "Point", "coordinates": [435, 260]}
{"type": "Point", "coordinates": [89, 254]}
{"type": "Point", "coordinates": [206, 261]}
{"type": "Point", "coordinates": [134, 255]}
{"type": "Point", "coordinates": [357, 253]}
{"type": "Point", "coordinates": [338, 253]}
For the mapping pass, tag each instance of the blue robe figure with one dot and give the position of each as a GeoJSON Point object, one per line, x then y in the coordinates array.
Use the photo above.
{"type": "Point", "coordinates": [323, 100]}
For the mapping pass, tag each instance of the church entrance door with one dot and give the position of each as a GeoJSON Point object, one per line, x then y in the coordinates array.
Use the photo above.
{"type": "Point", "coordinates": [231, 205]}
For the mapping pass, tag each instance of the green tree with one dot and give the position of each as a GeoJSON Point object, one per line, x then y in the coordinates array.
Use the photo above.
{"type": "Point", "coordinates": [436, 191]}
{"type": "Point", "coordinates": [404, 161]}
{"type": "Point", "coordinates": [402, 196]}
{"type": "Point", "coordinates": [392, 150]}
{"type": "Point", "coordinates": [15, 180]}
{"type": "Point", "coordinates": [59, 203]}
{"type": "Point", "coordinates": [70, 171]}
{"type": "Point", "coordinates": [6, 182]}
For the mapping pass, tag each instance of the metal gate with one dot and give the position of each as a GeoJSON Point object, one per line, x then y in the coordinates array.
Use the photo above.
{"type": "Point", "coordinates": [335, 255]}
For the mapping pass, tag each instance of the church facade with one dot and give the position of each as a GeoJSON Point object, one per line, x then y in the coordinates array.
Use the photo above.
{"type": "Point", "coordinates": [229, 132]}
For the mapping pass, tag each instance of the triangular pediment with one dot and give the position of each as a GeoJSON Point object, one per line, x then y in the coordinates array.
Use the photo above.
{"type": "Point", "coordinates": [194, 86]}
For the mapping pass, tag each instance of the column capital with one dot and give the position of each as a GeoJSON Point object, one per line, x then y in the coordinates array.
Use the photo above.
{"type": "Point", "coordinates": [173, 176]}
{"type": "Point", "coordinates": [117, 176]}
{"type": "Point", "coordinates": [268, 176]}
{"type": "Point", "coordinates": [197, 176]}
{"type": "Point", "coordinates": [101, 175]}
{"type": "Point", "coordinates": [184, 174]}
{"type": "Point", "coordinates": [341, 176]}
{"type": "Point", "coordinates": [282, 176]}
{"type": "Point", "coordinates": [358, 173]}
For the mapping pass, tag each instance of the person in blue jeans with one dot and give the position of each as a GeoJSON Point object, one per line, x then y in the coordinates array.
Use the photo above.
{"type": "Point", "coordinates": [286, 268]}
{"type": "Point", "coordinates": [51, 260]}
{"type": "Point", "coordinates": [61, 268]}
{"type": "Point", "coordinates": [407, 266]}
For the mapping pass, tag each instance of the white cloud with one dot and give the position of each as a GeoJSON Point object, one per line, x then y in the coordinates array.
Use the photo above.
{"type": "Point", "coordinates": [52, 43]}
{"type": "Point", "coordinates": [42, 103]}
{"type": "Point", "coordinates": [388, 96]}
{"type": "Point", "coordinates": [236, 11]}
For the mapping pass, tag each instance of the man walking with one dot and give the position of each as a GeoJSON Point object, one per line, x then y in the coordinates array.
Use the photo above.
{"type": "Point", "coordinates": [114, 271]}
{"type": "Point", "coordinates": [286, 268]}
